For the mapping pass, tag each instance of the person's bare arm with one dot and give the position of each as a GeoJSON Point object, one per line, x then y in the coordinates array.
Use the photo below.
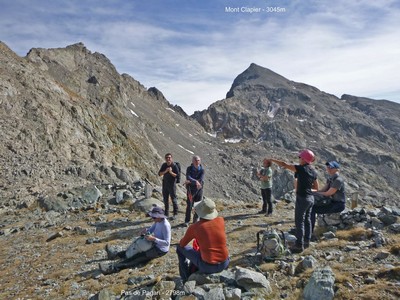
{"type": "Point", "coordinates": [283, 164]}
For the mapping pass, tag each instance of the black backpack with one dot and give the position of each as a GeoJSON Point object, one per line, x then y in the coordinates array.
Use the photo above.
{"type": "Point", "coordinates": [178, 176]}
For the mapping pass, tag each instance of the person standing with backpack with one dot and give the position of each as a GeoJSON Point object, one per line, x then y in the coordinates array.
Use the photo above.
{"type": "Point", "coordinates": [306, 181]}
{"type": "Point", "coordinates": [194, 186]}
{"type": "Point", "coordinates": [170, 172]}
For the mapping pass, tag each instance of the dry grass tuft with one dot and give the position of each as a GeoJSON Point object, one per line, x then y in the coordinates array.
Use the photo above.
{"type": "Point", "coordinates": [354, 234]}
{"type": "Point", "coordinates": [330, 244]}
{"type": "Point", "coordinates": [395, 249]}
{"type": "Point", "coordinates": [379, 290]}
{"type": "Point", "coordinates": [342, 278]}
{"type": "Point", "coordinates": [268, 267]}
{"type": "Point", "coordinates": [393, 274]}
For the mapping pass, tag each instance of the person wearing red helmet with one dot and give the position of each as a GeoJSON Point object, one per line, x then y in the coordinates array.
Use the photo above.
{"type": "Point", "coordinates": [306, 182]}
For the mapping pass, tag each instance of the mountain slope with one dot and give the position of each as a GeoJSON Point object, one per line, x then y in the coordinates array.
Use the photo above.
{"type": "Point", "coordinates": [68, 118]}
{"type": "Point", "coordinates": [281, 116]}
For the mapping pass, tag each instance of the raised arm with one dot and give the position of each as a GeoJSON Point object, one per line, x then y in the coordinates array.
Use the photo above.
{"type": "Point", "coordinates": [283, 164]}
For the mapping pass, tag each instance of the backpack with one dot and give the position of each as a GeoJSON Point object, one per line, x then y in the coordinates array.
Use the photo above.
{"type": "Point", "coordinates": [178, 176]}
{"type": "Point", "coordinates": [273, 244]}
{"type": "Point", "coordinates": [139, 244]}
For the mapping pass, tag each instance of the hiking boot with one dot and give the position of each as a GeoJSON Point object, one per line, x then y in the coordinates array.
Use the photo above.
{"type": "Point", "coordinates": [186, 224]}
{"type": "Point", "coordinates": [106, 268]}
{"type": "Point", "coordinates": [173, 217]}
{"type": "Point", "coordinates": [111, 253]}
{"type": "Point", "coordinates": [179, 284]}
{"type": "Point", "coordinates": [261, 212]}
{"type": "Point", "coordinates": [306, 244]}
{"type": "Point", "coordinates": [297, 249]}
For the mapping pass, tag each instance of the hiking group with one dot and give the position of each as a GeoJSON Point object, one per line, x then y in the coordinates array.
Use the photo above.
{"type": "Point", "coordinates": [207, 230]}
{"type": "Point", "coordinates": [209, 253]}
{"type": "Point", "coordinates": [310, 199]}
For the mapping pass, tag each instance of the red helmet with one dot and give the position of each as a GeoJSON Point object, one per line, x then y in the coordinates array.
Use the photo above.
{"type": "Point", "coordinates": [307, 155]}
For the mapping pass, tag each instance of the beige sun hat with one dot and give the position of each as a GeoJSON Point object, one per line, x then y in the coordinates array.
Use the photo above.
{"type": "Point", "coordinates": [205, 209]}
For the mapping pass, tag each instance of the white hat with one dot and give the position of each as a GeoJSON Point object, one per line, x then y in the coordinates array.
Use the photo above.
{"type": "Point", "coordinates": [205, 209]}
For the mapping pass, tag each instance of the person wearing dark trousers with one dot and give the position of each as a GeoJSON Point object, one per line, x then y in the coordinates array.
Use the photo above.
{"type": "Point", "coordinates": [159, 234]}
{"type": "Point", "coordinates": [265, 176]}
{"type": "Point", "coordinates": [306, 181]}
{"type": "Point", "coordinates": [209, 233]}
{"type": "Point", "coordinates": [169, 170]}
{"type": "Point", "coordinates": [333, 191]}
{"type": "Point", "coordinates": [194, 187]}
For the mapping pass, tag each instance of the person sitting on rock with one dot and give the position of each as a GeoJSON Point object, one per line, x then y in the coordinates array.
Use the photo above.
{"type": "Point", "coordinates": [333, 190]}
{"type": "Point", "coordinates": [160, 236]}
{"type": "Point", "coordinates": [210, 235]}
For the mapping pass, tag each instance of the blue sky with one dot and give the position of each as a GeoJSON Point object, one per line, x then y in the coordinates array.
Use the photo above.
{"type": "Point", "coordinates": [193, 50]}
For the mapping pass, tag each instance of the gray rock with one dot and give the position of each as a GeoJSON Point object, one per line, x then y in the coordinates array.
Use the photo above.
{"type": "Point", "coordinates": [85, 231]}
{"type": "Point", "coordinates": [139, 279]}
{"type": "Point", "coordinates": [54, 236]}
{"type": "Point", "coordinates": [91, 195]}
{"type": "Point", "coordinates": [369, 280]}
{"type": "Point", "coordinates": [382, 255]}
{"type": "Point", "coordinates": [395, 228]}
{"type": "Point", "coordinates": [199, 293]}
{"type": "Point", "coordinates": [56, 204]}
{"type": "Point", "coordinates": [122, 196]}
{"type": "Point", "coordinates": [202, 279]}
{"type": "Point", "coordinates": [375, 223]}
{"type": "Point", "coordinates": [148, 191]}
{"type": "Point", "coordinates": [320, 285]}
{"type": "Point", "coordinates": [329, 220]}
{"type": "Point", "coordinates": [388, 218]}
{"type": "Point", "coordinates": [309, 262]}
{"type": "Point", "coordinates": [216, 293]}
{"type": "Point", "coordinates": [329, 235]}
{"type": "Point", "coordinates": [145, 205]}
{"type": "Point", "coordinates": [349, 248]}
{"type": "Point", "coordinates": [232, 293]}
{"type": "Point", "coordinates": [189, 286]}
{"type": "Point", "coordinates": [249, 279]}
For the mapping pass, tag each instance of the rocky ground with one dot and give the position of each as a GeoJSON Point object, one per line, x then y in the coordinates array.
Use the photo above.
{"type": "Point", "coordinates": [52, 250]}
{"type": "Point", "coordinates": [69, 120]}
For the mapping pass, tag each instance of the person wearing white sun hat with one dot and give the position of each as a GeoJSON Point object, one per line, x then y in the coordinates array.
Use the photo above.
{"type": "Point", "coordinates": [209, 232]}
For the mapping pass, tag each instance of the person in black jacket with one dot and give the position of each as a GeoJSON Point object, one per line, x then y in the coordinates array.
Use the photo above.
{"type": "Point", "coordinates": [169, 170]}
{"type": "Point", "coordinates": [306, 182]}
{"type": "Point", "coordinates": [194, 186]}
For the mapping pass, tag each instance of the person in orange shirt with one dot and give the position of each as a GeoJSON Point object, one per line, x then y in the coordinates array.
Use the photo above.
{"type": "Point", "coordinates": [210, 235]}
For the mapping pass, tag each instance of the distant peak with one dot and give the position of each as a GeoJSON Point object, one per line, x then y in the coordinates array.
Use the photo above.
{"type": "Point", "coordinates": [257, 75]}
{"type": "Point", "coordinates": [78, 45]}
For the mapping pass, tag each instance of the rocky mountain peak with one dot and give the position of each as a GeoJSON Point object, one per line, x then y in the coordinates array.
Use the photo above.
{"type": "Point", "coordinates": [274, 114]}
{"type": "Point", "coordinates": [256, 75]}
